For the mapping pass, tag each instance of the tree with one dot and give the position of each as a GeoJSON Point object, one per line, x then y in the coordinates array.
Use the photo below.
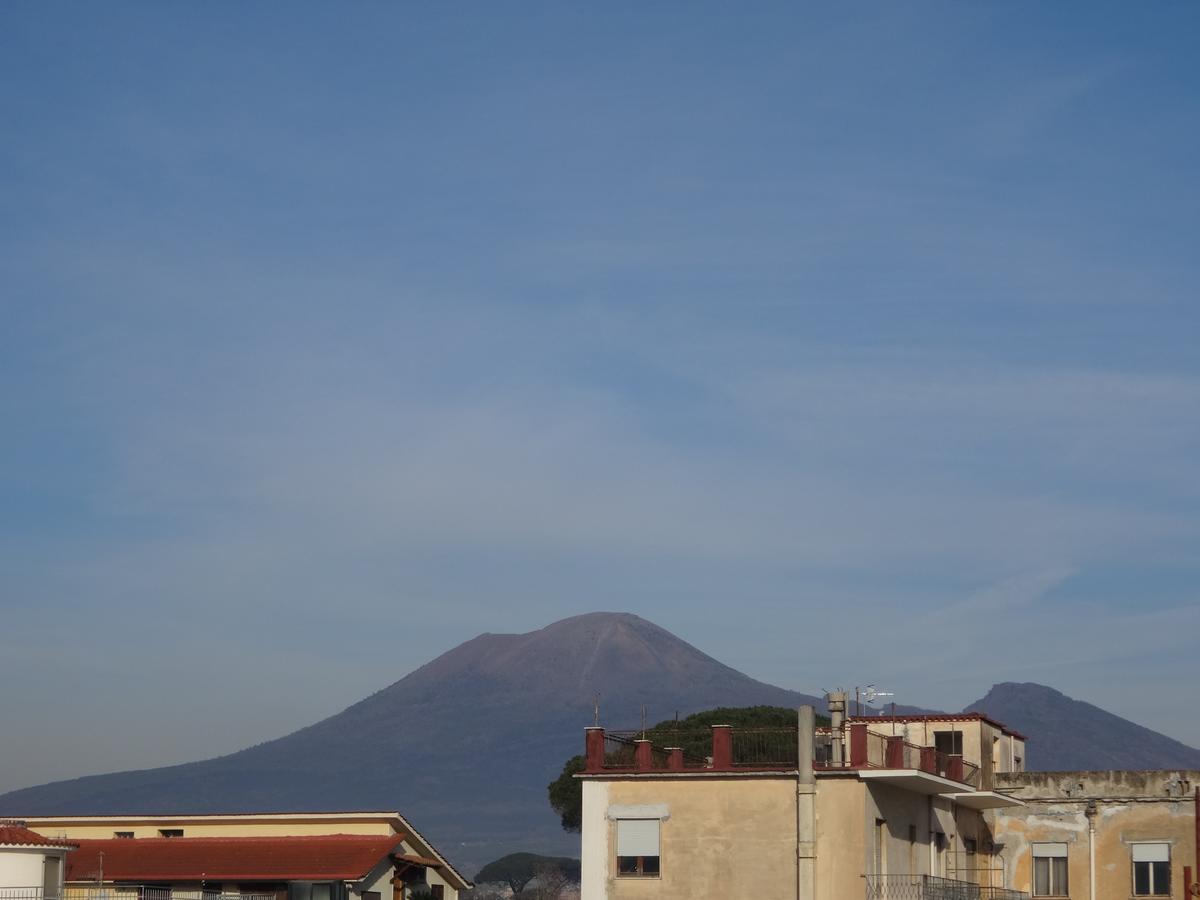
{"type": "Point", "coordinates": [518, 869]}
{"type": "Point", "coordinates": [693, 734]}
{"type": "Point", "coordinates": [566, 794]}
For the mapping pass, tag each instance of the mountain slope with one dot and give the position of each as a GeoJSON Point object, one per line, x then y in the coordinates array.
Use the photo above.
{"type": "Point", "coordinates": [464, 745]}
{"type": "Point", "coordinates": [1067, 734]}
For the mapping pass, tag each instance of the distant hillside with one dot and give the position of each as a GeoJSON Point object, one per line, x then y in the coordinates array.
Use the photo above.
{"type": "Point", "coordinates": [465, 745]}
{"type": "Point", "coordinates": [1068, 734]}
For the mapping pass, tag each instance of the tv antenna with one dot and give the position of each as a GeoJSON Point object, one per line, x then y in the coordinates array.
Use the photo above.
{"type": "Point", "coordinates": [868, 695]}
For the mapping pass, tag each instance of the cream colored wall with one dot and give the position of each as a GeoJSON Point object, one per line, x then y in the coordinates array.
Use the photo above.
{"type": "Point", "coordinates": [1131, 806]}
{"type": "Point", "coordinates": [201, 827]}
{"type": "Point", "coordinates": [722, 837]}
{"type": "Point", "coordinates": [593, 854]}
{"type": "Point", "coordinates": [22, 866]}
{"type": "Point", "coordinates": [841, 839]}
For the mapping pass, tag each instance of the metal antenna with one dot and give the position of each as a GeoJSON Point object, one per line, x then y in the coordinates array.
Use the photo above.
{"type": "Point", "coordinates": [596, 710]}
{"type": "Point", "coordinates": [643, 721]}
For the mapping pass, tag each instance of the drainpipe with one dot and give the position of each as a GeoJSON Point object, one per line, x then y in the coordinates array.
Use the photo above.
{"type": "Point", "coordinates": [1090, 812]}
{"type": "Point", "coordinates": [806, 803]}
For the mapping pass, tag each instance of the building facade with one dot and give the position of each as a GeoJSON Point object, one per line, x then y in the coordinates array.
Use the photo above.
{"type": "Point", "coordinates": [1102, 835]}
{"type": "Point", "coordinates": [32, 866]}
{"type": "Point", "coordinates": [869, 808]}
{"type": "Point", "coordinates": [277, 856]}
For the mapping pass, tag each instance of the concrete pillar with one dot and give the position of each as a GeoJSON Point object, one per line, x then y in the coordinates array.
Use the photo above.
{"type": "Point", "coordinates": [858, 745]}
{"type": "Point", "coordinates": [722, 747]}
{"type": "Point", "coordinates": [594, 749]}
{"type": "Point", "coordinates": [643, 755]}
{"type": "Point", "coordinates": [894, 754]}
{"type": "Point", "coordinates": [837, 721]}
{"type": "Point", "coordinates": [675, 759]}
{"type": "Point", "coordinates": [806, 807]}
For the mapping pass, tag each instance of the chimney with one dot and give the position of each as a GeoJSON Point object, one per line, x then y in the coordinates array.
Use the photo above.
{"type": "Point", "coordinates": [837, 716]}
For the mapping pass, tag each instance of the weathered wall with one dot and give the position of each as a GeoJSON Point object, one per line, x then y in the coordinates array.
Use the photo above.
{"type": "Point", "coordinates": [842, 847]}
{"type": "Point", "coordinates": [1130, 807]}
{"type": "Point", "coordinates": [721, 836]}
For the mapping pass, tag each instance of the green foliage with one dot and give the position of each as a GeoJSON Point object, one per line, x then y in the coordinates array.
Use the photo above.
{"type": "Point", "coordinates": [693, 734]}
{"type": "Point", "coordinates": [566, 794]}
{"type": "Point", "coordinates": [518, 869]}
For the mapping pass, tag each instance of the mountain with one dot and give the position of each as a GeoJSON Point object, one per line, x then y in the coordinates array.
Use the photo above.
{"type": "Point", "coordinates": [1067, 734]}
{"type": "Point", "coordinates": [465, 745]}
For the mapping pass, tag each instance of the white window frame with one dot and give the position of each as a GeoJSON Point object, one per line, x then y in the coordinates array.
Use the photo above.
{"type": "Point", "coordinates": [640, 865]}
{"type": "Point", "coordinates": [1049, 851]}
{"type": "Point", "coordinates": [1147, 850]}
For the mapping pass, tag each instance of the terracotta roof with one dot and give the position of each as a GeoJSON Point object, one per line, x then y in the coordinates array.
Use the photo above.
{"type": "Point", "coordinates": [333, 857]}
{"type": "Point", "coordinates": [12, 834]}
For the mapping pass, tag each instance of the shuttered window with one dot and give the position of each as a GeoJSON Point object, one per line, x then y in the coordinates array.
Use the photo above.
{"type": "Point", "coordinates": [1050, 870]}
{"type": "Point", "coordinates": [637, 847]}
{"type": "Point", "coordinates": [1151, 869]}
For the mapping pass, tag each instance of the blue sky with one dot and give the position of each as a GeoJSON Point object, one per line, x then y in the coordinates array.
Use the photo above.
{"type": "Point", "coordinates": [333, 336]}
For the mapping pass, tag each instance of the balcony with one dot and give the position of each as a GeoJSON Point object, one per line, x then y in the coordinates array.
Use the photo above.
{"type": "Point", "coordinates": [931, 887]}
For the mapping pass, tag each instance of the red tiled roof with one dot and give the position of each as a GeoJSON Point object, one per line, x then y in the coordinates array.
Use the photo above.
{"type": "Point", "coordinates": [18, 835]}
{"type": "Point", "coordinates": [333, 857]}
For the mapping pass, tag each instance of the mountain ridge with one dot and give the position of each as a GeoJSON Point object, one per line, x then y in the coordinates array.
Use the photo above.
{"type": "Point", "coordinates": [465, 744]}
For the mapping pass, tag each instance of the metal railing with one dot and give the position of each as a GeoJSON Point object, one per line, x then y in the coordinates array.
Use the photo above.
{"type": "Point", "coordinates": [776, 748]}
{"type": "Point", "coordinates": [932, 887]}
{"type": "Point", "coordinates": [139, 892]}
{"type": "Point", "coordinates": [765, 747]}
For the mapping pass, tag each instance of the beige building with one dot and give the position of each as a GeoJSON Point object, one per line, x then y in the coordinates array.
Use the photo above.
{"type": "Point", "coordinates": [870, 808]}
{"type": "Point", "coordinates": [276, 856]}
{"type": "Point", "coordinates": [1102, 835]}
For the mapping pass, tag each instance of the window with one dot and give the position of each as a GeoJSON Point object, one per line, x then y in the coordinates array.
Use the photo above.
{"type": "Point", "coordinates": [1050, 870]}
{"type": "Point", "coordinates": [637, 848]}
{"type": "Point", "coordinates": [1151, 869]}
{"type": "Point", "coordinates": [949, 742]}
{"type": "Point", "coordinates": [123, 834]}
{"type": "Point", "coordinates": [170, 832]}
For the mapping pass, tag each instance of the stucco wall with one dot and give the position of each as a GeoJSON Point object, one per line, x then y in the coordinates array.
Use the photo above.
{"type": "Point", "coordinates": [842, 846]}
{"type": "Point", "coordinates": [23, 866]}
{"type": "Point", "coordinates": [721, 837]}
{"type": "Point", "coordinates": [1130, 807]}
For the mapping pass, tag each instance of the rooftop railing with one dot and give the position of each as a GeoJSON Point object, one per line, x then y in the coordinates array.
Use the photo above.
{"type": "Point", "coordinates": [130, 892]}
{"type": "Point", "coordinates": [931, 887]}
{"type": "Point", "coordinates": [729, 749]}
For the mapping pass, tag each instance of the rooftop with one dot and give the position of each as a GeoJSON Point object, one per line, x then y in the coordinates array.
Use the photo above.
{"type": "Point", "coordinates": [336, 857]}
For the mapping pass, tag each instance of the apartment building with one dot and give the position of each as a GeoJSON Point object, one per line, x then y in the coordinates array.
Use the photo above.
{"type": "Point", "coordinates": [264, 856]}
{"type": "Point", "coordinates": [1102, 835]}
{"type": "Point", "coordinates": [870, 808]}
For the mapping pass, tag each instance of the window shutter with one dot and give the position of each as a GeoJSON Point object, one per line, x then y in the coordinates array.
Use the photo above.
{"type": "Point", "coordinates": [637, 837]}
{"type": "Point", "coordinates": [1151, 852]}
{"type": "Point", "coordinates": [1051, 850]}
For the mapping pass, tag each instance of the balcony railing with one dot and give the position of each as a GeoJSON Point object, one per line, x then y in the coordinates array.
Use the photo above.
{"type": "Point", "coordinates": [130, 892]}
{"type": "Point", "coordinates": [724, 748]}
{"type": "Point", "coordinates": [931, 887]}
